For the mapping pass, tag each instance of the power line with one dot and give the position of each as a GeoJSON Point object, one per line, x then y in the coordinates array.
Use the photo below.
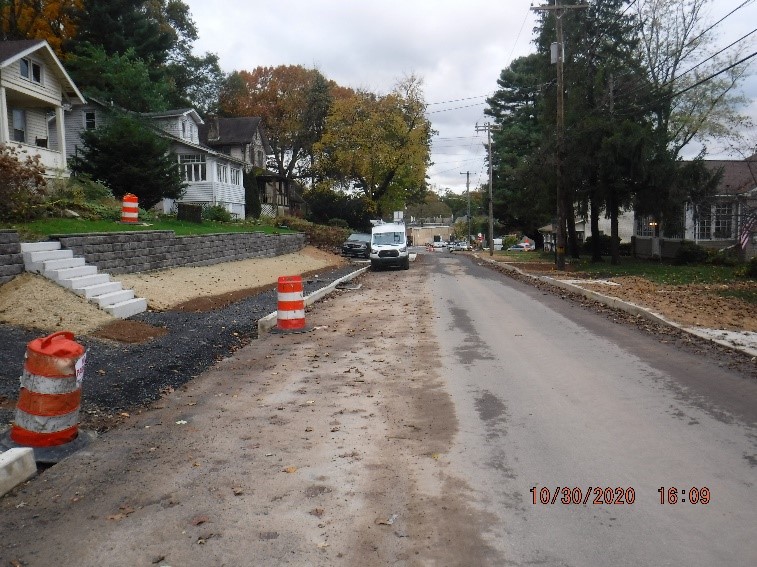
{"type": "Point", "coordinates": [736, 64]}
{"type": "Point", "coordinates": [456, 108]}
{"type": "Point", "coordinates": [456, 100]}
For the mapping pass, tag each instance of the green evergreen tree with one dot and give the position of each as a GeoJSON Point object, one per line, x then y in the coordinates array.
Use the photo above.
{"type": "Point", "coordinates": [129, 156]}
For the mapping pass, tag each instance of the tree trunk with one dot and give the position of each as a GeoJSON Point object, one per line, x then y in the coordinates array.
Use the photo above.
{"type": "Point", "coordinates": [614, 244]}
{"type": "Point", "coordinates": [596, 243]}
{"type": "Point", "coordinates": [572, 237]}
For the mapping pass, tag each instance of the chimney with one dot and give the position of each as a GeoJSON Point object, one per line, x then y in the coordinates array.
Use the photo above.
{"type": "Point", "coordinates": [214, 132]}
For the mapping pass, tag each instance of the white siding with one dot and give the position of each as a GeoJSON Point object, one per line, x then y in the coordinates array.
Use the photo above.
{"type": "Point", "coordinates": [49, 90]}
{"type": "Point", "coordinates": [201, 191]}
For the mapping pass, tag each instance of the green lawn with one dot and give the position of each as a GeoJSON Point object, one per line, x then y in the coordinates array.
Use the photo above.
{"type": "Point", "coordinates": [655, 271]}
{"type": "Point", "coordinates": [40, 229]}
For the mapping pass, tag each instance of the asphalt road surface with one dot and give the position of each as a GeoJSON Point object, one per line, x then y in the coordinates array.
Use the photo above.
{"type": "Point", "coordinates": [424, 421]}
{"type": "Point", "coordinates": [586, 442]}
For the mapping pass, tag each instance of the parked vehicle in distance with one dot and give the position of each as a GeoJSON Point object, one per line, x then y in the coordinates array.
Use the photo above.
{"type": "Point", "coordinates": [389, 246]}
{"type": "Point", "coordinates": [520, 247]}
{"type": "Point", "coordinates": [439, 245]}
{"type": "Point", "coordinates": [459, 246]}
{"type": "Point", "coordinates": [358, 245]}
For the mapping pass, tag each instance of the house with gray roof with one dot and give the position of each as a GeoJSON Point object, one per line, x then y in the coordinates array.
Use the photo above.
{"type": "Point", "coordinates": [726, 220]}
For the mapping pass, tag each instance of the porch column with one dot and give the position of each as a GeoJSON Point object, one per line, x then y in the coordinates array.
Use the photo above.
{"type": "Point", "coordinates": [4, 131]}
{"type": "Point", "coordinates": [60, 129]}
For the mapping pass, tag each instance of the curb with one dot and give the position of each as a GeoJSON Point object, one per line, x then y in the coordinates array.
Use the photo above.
{"type": "Point", "coordinates": [16, 466]}
{"type": "Point", "coordinates": [628, 307]}
{"type": "Point", "coordinates": [268, 322]}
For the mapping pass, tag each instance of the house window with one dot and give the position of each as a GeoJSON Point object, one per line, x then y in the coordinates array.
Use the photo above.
{"type": "Point", "coordinates": [236, 176]}
{"type": "Point", "coordinates": [223, 173]}
{"type": "Point", "coordinates": [19, 125]}
{"type": "Point", "coordinates": [704, 225]}
{"type": "Point", "coordinates": [184, 129]}
{"type": "Point", "coordinates": [31, 70]}
{"type": "Point", "coordinates": [90, 121]}
{"type": "Point", "coordinates": [643, 226]}
{"type": "Point", "coordinates": [192, 167]}
{"type": "Point", "coordinates": [259, 158]}
{"type": "Point", "coordinates": [723, 222]}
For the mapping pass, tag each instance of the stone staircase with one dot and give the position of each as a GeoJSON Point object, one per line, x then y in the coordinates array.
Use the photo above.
{"type": "Point", "coordinates": [49, 260]}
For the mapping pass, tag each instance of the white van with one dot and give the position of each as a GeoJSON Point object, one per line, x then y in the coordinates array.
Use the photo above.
{"type": "Point", "coordinates": [389, 246]}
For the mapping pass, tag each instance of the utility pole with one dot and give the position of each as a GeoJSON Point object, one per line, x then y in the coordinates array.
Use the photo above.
{"type": "Point", "coordinates": [561, 204]}
{"type": "Point", "coordinates": [467, 191]}
{"type": "Point", "coordinates": [489, 127]}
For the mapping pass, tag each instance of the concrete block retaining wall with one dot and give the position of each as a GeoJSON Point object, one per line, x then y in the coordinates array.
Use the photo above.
{"type": "Point", "coordinates": [11, 260]}
{"type": "Point", "coordinates": [129, 252]}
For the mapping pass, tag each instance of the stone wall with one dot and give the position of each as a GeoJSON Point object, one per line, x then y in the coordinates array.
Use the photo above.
{"type": "Point", "coordinates": [11, 260]}
{"type": "Point", "coordinates": [128, 252]}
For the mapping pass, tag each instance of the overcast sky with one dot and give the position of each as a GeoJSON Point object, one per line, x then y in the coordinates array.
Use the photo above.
{"type": "Point", "coordinates": [458, 48]}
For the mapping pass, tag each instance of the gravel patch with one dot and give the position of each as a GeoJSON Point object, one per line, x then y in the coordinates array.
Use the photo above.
{"type": "Point", "coordinates": [123, 377]}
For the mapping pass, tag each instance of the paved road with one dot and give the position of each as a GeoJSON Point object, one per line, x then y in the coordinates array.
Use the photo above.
{"type": "Point", "coordinates": [548, 395]}
{"type": "Point", "coordinates": [408, 428]}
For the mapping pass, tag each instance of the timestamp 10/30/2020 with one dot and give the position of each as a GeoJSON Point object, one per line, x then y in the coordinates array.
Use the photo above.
{"type": "Point", "coordinates": [608, 495]}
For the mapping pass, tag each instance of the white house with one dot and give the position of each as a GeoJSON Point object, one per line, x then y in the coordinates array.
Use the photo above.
{"type": "Point", "coordinates": [212, 177]}
{"type": "Point", "coordinates": [727, 220]}
{"type": "Point", "coordinates": [34, 87]}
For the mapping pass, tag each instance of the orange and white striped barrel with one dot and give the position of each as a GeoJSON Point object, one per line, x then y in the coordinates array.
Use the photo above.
{"type": "Point", "coordinates": [130, 208]}
{"type": "Point", "coordinates": [47, 412]}
{"type": "Point", "coordinates": [290, 313]}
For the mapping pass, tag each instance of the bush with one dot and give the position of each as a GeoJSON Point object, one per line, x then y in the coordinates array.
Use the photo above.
{"type": "Point", "coordinates": [318, 234]}
{"type": "Point", "coordinates": [216, 213]}
{"type": "Point", "coordinates": [339, 222]}
{"type": "Point", "coordinates": [604, 244]}
{"type": "Point", "coordinates": [22, 189]}
{"type": "Point", "coordinates": [751, 268]}
{"type": "Point", "coordinates": [690, 253]}
{"type": "Point", "coordinates": [727, 257]}
{"type": "Point", "coordinates": [89, 199]}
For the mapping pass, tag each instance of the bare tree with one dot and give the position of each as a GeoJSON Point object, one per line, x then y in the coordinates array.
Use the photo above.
{"type": "Point", "coordinates": [696, 85]}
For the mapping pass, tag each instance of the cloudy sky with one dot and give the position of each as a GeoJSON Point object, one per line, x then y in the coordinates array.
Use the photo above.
{"type": "Point", "coordinates": [458, 48]}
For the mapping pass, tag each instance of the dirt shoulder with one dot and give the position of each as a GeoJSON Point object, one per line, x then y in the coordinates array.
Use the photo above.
{"type": "Point", "coordinates": [709, 306]}
{"type": "Point", "coordinates": [322, 448]}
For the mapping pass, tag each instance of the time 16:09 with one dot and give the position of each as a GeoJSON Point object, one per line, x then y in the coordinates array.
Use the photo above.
{"type": "Point", "coordinates": [693, 495]}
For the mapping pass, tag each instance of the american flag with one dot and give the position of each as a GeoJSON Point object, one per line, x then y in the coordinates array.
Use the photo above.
{"type": "Point", "coordinates": [749, 224]}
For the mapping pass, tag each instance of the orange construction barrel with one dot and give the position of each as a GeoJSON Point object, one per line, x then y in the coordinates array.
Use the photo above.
{"type": "Point", "coordinates": [290, 312]}
{"type": "Point", "coordinates": [47, 411]}
{"type": "Point", "coordinates": [130, 208]}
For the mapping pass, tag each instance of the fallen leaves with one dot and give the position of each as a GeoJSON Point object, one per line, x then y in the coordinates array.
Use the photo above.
{"type": "Point", "coordinates": [388, 522]}
{"type": "Point", "coordinates": [124, 511]}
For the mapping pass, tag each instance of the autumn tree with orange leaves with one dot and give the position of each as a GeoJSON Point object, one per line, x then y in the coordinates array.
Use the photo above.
{"type": "Point", "coordinates": [51, 20]}
{"type": "Point", "coordinates": [292, 101]}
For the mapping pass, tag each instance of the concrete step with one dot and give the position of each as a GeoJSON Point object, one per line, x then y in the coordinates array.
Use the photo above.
{"type": "Point", "coordinates": [62, 263]}
{"type": "Point", "coordinates": [73, 273]}
{"type": "Point", "coordinates": [68, 273]}
{"type": "Point", "coordinates": [81, 282]}
{"type": "Point", "coordinates": [40, 246]}
{"type": "Point", "coordinates": [112, 298]}
{"type": "Point", "coordinates": [98, 288]}
{"type": "Point", "coordinates": [42, 255]}
{"type": "Point", "coordinates": [127, 308]}
{"type": "Point", "coordinates": [16, 466]}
